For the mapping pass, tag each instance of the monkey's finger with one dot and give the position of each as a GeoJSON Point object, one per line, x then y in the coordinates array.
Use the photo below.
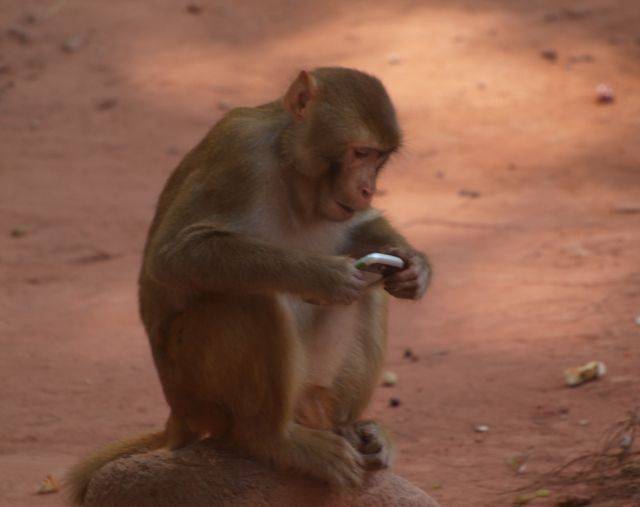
{"type": "Point", "coordinates": [405, 275]}
{"type": "Point", "coordinates": [405, 294]}
{"type": "Point", "coordinates": [378, 460]}
{"type": "Point", "coordinates": [401, 286]}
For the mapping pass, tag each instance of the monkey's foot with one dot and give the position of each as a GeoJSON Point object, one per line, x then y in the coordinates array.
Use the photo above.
{"type": "Point", "coordinates": [371, 440]}
{"type": "Point", "coordinates": [200, 475]}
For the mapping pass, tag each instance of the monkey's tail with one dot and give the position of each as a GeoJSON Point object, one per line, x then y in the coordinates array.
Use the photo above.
{"type": "Point", "coordinates": [78, 478]}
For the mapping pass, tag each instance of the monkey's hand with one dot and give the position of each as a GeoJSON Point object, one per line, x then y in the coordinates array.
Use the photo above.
{"type": "Point", "coordinates": [337, 281]}
{"type": "Point", "coordinates": [372, 441]}
{"type": "Point", "coordinates": [413, 280]}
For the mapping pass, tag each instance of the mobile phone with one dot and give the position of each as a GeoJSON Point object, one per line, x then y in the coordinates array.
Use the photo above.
{"type": "Point", "coordinates": [377, 265]}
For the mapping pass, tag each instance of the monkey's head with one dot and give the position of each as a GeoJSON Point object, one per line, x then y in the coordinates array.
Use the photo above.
{"type": "Point", "coordinates": [344, 131]}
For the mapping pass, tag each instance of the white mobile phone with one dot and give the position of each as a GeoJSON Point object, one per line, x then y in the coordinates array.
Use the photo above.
{"type": "Point", "coordinates": [377, 262]}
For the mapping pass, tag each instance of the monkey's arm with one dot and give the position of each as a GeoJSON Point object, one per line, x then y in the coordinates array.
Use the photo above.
{"type": "Point", "coordinates": [378, 235]}
{"type": "Point", "coordinates": [206, 256]}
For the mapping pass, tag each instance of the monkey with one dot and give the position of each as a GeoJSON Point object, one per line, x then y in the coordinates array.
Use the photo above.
{"type": "Point", "coordinates": [264, 334]}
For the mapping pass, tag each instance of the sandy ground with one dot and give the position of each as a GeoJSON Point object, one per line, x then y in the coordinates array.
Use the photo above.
{"type": "Point", "coordinates": [537, 260]}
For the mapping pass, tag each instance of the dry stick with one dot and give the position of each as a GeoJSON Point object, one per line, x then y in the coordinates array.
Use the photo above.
{"type": "Point", "coordinates": [614, 471]}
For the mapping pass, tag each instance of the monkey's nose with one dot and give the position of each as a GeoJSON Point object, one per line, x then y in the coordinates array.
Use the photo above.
{"type": "Point", "coordinates": [366, 193]}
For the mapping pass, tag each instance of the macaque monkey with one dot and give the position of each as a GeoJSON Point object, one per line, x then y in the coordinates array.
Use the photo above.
{"type": "Point", "coordinates": [264, 334]}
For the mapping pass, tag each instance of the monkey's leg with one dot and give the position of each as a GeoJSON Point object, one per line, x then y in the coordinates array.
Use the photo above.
{"type": "Point", "coordinates": [234, 365]}
{"type": "Point", "coordinates": [356, 380]}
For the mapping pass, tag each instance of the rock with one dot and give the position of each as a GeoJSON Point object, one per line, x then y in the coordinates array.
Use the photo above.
{"type": "Point", "coordinates": [604, 94]}
{"type": "Point", "coordinates": [106, 104]}
{"type": "Point", "coordinates": [194, 8]}
{"type": "Point", "coordinates": [202, 476]}
{"type": "Point", "coordinates": [549, 54]}
{"type": "Point", "coordinates": [471, 194]}
{"type": "Point", "coordinates": [19, 35]}
{"type": "Point", "coordinates": [389, 379]}
{"type": "Point", "coordinates": [73, 44]}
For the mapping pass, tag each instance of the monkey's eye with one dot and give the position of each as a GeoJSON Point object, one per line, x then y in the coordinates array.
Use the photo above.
{"type": "Point", "coordinates": [362, 152]}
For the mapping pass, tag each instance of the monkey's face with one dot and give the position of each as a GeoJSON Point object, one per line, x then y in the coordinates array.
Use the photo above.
{"type": "Point", "coordinates": [349, 182]}
{"type": "Point", "coordinates": [346, 128]}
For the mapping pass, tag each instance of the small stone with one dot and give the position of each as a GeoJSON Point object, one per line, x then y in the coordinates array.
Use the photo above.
{"type": "Point", "coordinates": [584, 58]}
{"type": "Point", "coordinates": [48, 485]}
{"type": "Point", "coordinates": [224, 105]}
{"type": "Point", "coordinates": [524, 499]}
{"type": "Point", "coordinates": [549, 54]}
{"type": "Point", "coordinates": [394, 59]}
{"type": "Point", "coordinates": [638, 320]}
{"type": "Point", "coordinates": [19, 35]}
{"type": "Point", "coordinates": [481, 428]}
{"type": "Point", "coordinates": [574, 501]}
{"type": "Point", "coordinates": [194, 8]}
{"type": "Point", "coordinates": [583, 422]}
{"type": "Point", "coordinates": [18, 232]}
{"type": "Point", "coordinates": [105, 104]}
{"type": "Point", "coordinates": [604, 94]}
{"type": "Point", "coordinates": [626, 441]}
{"type": "Point", "coordinates": [408, 353]}
{"type": "Point", "coordinates": [389, 379]}
{"type": "Point", "coordinates": [73, 44]}
{"type": "Point", "coordinates": [471, 194]}
{"type": "Point", "coordinates": [29, 19]}
{"type": "Point", "coordinates": [394, 402]}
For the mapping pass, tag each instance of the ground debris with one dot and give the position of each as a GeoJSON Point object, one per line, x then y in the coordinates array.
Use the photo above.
{"type": "Point", "coordinates": [581, 374]}
{"type": "Point", "coordinates": [549, 54]}
{"type": "Point", "coordinates": [106, 104]}
{"type": "Point", "coordinates": [389, 379]}
{"type": "Point", "coordinates": [194, 8]}
{"type": "Point", "coordinates": [471, 194]}
{"type": "Point", "coordinates": [609, 473]}
{"type": "Point", "coordinates": [19, 35]}
{"type": "Point", "coordinates": [18, 232]}
{"type": "Point", "coordinates": [574, 501]}
{"type": "Point", "coordinates": [604, 94]}
{"type": "Point", "coordinates": [73, 44]}
{"type": "Point", "coordinates": [48, 485]}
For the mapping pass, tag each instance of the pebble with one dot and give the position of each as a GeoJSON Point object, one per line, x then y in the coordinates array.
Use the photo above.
{"type": "Point", "coordinates": [19, 35]}
{"type": "Point", "coordinates": [549, 54]}
{"type": "Point", "coordinates": [106, 104]}
{"type": "Point", "coordinates": [389, 379]}
{"type": "Point", "coordinates": [18, 232]}
{"type": "Point", "coordinates": [73, 44]}
{"type": "Point", "coordinates": [394, 402]}
{"type": "Point", "coordinates": [472, 194]}
{"type": "Point", "coordinates": [393, 59]}
{"type": "Point", "coordinates": [223, 105]}
{"type": "Point", "coordinates": [194, 8]}
{"type": "Point", "coordinates": [481, 428]}
{"type": "Point", "coordinates": [604, 94]}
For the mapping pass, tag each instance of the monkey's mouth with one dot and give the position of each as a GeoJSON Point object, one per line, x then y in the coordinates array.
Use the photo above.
{"type": "Point", "coordinates": [345, 208]}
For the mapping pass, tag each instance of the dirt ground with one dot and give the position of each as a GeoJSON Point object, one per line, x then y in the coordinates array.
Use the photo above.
{"type": "Point", "coordinates": [524, 191]}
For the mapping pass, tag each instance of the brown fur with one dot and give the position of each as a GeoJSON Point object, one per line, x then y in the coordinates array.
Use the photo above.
{"type": "Point", "coordinates": [247, 229]}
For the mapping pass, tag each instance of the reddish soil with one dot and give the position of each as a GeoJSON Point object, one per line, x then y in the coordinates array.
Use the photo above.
{"type": "Point", "coordinates": [538, 271]}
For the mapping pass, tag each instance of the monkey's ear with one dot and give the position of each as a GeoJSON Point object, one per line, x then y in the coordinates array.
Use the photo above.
{"type": "Point", "coordinates": [300, 95]}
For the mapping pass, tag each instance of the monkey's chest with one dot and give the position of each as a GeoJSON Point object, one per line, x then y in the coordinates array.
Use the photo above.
{"type": "Point", "coordinates": [327, 334]}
